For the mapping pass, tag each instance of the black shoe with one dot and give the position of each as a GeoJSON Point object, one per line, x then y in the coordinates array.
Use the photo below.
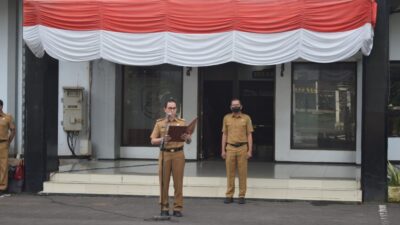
{"type": "Point", "coordinates": [242, 200]}
{"type": "Point", "coordinates": [228, 200]}
{"type": "Point", "coordinates": [164, 213]}
{"type": "Point", "coordinates": [177, 214]}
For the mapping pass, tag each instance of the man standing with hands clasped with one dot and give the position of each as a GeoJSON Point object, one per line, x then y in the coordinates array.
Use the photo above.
{"type": "Point", "coordinates": [7, 133]}
{"type": "Point", "coordinates": [171, 159]}
{"type": "Point", "coordinates": [236, 149]}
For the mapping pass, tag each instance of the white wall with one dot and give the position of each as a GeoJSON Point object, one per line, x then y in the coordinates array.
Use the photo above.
{"type": "Point", "coordinates": [21, 79]}
{"type": "Point", "coordinates": [190, 104]}
{"type": "Point", "coordinates": [394, 148]}
{"type": "Point", "coordinates": [4, 62]}
{"type": "Point", "coordinates": [9, 58]}
{"type": "Point", "coordinates": [73, 74]}
{"type": "Point", "coordinates": [394, 36]}
{"type": "Point", "coordinates": [105, 110]}
{"type": "Point", "coordinates": [283, 151]}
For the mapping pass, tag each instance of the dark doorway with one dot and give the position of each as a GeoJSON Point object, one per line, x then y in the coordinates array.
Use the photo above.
{"type": "Point", "coordinates": [255, 86]}
{"type": "Point", "coordinates": [258, 101]}
{"type": "Point", "coordinates": [217, 95]}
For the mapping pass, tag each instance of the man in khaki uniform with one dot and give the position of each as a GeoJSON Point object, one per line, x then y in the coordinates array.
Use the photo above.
{"type": "Point", "coordinates": [236, 149]}
{"type": "Point", "coordinates": [7, 133]}
{"type": "Point", "coordinates": [174, 158]}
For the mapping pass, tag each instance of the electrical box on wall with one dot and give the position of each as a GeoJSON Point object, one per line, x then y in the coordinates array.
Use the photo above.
{"type": "Point", "coordinates": [72, 110]}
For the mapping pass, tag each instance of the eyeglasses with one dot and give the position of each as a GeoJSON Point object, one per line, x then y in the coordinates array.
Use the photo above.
{"type": "Point", "coordinates": [171, 108]}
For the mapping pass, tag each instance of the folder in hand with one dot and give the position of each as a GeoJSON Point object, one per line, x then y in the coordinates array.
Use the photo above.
{"type": "Point", "coordinates": [176, 132]}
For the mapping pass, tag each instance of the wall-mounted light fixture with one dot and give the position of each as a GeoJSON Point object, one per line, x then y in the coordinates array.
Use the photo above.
{"type": "Point", "coordinates": [282, 69]}
{"type": "Point", "coordinates": [188, 71]}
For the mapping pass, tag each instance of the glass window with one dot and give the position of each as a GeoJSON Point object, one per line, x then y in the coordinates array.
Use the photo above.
{"type": "Point", "coordinates": [324, 106]}
{"type": "Point", "coordinates": [145, 89]}
{"type": "Point", "coordinates": [394, 100]}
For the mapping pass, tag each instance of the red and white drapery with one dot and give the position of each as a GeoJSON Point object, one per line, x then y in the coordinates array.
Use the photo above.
{"type": "Point", "coordinates": [199, 32]}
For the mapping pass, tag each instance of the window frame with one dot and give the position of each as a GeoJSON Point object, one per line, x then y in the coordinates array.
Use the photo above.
{"type": "Point", "coordinates": [123, 74]}
{"type": "Point", "coordinates": [354, 145]}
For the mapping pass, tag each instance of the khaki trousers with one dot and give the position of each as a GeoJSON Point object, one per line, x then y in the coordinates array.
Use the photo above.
{"type": "Point", "coordinates": [3, 165]}
{"type": "Point", "coordinates": [236, 159]}
{"type": "Point", "coordinates": [174, 162]}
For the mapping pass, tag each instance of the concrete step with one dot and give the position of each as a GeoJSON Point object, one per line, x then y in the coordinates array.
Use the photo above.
{"type": "Point", "coordinates": [258, 188]}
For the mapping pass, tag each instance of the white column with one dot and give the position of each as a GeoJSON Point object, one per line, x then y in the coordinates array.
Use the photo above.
{"type": "Point", "coordinates": [282, 114]}
{"type": "Point", "coordinates": [20, 81]}
{"type": "Point", "coordinates": [190, 104]}
{"type": "Point", "coordinates": [4, 76]}
{"type": "Point", "coordinates": [8, 57]}
{"type": "Point", "coordinates": [106, 110]}
{"type": "Point", "coordinates": [359, 110]}
{"type": "Point", "coordinates": [73, 74]}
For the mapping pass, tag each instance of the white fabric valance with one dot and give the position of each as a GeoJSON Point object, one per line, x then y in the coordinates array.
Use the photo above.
{"type": "Point", "coordinates": [186, 39]}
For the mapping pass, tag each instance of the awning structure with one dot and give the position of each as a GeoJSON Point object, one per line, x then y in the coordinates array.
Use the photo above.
{"type": "Point", "coordinates": [199, 32]}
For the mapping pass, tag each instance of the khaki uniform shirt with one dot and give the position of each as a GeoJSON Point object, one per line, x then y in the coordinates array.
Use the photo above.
{"type": "Point", "coordinates": [160, 129]}
{"type": "Point", "coordinates": [5, 124]}
{"type": "Point", "coordinates": [236, 128]}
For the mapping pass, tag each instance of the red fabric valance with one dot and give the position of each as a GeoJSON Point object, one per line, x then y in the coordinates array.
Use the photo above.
{"type": "Point", "coordinates": [199, 16]}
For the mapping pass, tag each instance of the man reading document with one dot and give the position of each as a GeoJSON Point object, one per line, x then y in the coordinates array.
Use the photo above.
{"type": "Point", "coordinates": [172, 157]}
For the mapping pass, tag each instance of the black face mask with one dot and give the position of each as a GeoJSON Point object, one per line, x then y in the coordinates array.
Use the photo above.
{"type": "Point", "coordinates": [235, 109]}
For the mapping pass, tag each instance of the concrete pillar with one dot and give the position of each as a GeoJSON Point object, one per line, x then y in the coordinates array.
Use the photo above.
{"type": "Point", "coordinates": [190, 104]}
{"type": "Point", "coordinates": [106, 110]}
{"type": "Point", "coordinates": [8, 56]}
{"type": "Point", "coordinates": [375, 94]}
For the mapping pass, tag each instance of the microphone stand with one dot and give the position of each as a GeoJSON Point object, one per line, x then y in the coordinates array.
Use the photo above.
{"type": "Point", "coordinates": [162, 144]}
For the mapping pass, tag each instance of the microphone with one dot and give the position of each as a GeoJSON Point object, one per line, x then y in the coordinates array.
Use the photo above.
{"type": "Point", "coordinates": [168, 116]}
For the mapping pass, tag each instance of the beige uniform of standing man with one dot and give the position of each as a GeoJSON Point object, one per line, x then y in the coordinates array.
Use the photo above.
{"type": "Point", "coordinates": [174, 158]}
{"type": "Point", "coordinates": [7, 133]}
{"type": "Point", "coordinates": [236, 149]}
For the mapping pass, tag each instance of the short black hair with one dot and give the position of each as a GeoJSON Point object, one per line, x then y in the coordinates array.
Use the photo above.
{"type": "Point", "coordinates": [168, 101]}
{"type": "Point", "coordinates": [1, 102]}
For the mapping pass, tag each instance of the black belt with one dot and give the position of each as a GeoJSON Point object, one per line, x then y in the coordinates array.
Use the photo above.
{"type": "Point", "coordinates": [237, 145]}
{"type": "Point", "coordinates": [172, 149]}
{"type": "Point", "coordinates": [1, 141]}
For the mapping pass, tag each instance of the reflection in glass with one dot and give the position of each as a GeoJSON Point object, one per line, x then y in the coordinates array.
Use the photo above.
{"type": "Point", "coordinates": [145, 91]}
{"type": "Point", "coordinates": [394, 101]}
{"type": "Point", "coordinates": [324, 106]}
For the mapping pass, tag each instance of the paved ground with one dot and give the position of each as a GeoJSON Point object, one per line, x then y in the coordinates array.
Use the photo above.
{"type": "Point", "coordinates": [116, 210]}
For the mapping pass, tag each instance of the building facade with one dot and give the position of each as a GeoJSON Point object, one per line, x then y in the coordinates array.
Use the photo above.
{"type": "Point", "coordinates": [302, 111]}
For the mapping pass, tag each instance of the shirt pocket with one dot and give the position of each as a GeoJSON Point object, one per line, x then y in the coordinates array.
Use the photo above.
{"type": "Point", "coordinates": [241, 124]}
{"type": "Point", "coordinates": [162, 131]}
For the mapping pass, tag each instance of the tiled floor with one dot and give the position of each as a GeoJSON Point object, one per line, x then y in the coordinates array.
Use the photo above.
{"type": "Point", "coordinates": [216, 169]}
